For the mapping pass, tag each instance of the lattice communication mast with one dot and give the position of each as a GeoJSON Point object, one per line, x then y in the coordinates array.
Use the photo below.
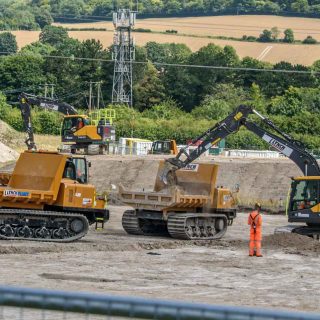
{"type": "Point", "coordinates": [123, 55]}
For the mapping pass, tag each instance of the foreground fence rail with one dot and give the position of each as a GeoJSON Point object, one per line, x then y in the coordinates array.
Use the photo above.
{"type": "Point", "coordinates": [19, 300]}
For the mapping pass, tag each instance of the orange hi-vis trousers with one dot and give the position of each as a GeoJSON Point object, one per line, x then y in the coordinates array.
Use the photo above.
{"type": "Point", "coordinates": [255, 222]}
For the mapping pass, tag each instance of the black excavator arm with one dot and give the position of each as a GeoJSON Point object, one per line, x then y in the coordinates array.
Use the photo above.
{"type": "Point", "coordinates": [27, 100]}
{"type": "Point", "coordinates": [285, 144]}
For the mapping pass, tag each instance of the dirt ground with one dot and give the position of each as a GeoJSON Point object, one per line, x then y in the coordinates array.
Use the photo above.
{"type": "Point", "coordinates": [215, 272]}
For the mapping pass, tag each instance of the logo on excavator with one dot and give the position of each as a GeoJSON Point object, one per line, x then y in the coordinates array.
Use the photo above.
{"type": "Point", "coordinates": [191, 167]}
{"type": "Point", "coordinates": [278, 145]}
{"type": "Point", "coordinates": [49, 106]}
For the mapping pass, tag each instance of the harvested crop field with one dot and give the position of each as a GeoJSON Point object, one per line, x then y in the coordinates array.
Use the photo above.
{"type": "Point", "coordinates": [269, 52]}
{"type": "Point", "coordinates": [294, 53]}
{"type": "Point", "coordinates": [229, 26]}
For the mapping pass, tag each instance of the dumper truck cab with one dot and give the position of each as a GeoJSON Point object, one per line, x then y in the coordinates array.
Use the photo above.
{"type": "Point", "coordinates": [47, 197]}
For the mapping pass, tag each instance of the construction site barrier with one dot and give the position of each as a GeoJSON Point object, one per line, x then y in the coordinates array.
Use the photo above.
{"type": "Point", "coordinates": [128, 146]}
{"type": "Point", "coordinates": [20, 300]}
{"type": "Point", "coordinates": [252, 153]}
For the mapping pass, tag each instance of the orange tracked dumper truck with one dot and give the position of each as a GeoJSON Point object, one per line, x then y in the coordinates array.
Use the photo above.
{"type": "Point", "coordinates": [47, 198]}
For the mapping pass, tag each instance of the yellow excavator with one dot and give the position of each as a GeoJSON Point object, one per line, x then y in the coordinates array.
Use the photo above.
{"type": "Point", "coordinates": [304, 201]}
{"type": "Point", "coordinates": [164, 147]}
{"type": "Point", "coordinates": [79, 131]}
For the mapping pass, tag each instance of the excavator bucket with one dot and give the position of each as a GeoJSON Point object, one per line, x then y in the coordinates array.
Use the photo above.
{"type": "Point", "coordinates": [195, 179]}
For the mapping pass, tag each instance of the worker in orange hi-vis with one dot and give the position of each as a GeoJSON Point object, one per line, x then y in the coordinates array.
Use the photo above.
{"type": "Point", "coordinates": [255, 222]}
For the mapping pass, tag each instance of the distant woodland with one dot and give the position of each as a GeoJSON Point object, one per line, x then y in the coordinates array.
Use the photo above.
{"type": "Point", "coordinates": [170, 101]}
{"type": "Point", "coordinates": [35, 14]}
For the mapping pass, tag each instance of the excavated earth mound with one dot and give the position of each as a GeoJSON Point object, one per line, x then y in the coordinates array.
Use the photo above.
{"type": "Point", "coordinates": [7, 154]}
{"type": "Point", "coordinates": [292, 243]}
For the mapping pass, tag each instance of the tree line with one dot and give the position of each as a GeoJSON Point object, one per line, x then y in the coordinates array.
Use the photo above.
{"type": "Point", "coordinates": [170, 101]}
{"type": "Point", "coordinates": [35, 14]}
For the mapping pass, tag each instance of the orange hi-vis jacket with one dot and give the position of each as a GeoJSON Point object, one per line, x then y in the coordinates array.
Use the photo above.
{"type": "Point", "coordinates": [255, 222]}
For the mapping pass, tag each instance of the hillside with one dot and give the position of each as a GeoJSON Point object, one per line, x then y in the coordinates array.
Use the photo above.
{"type": "Point", "coordinates": [14, 140]}
{"type": "Point", "coordinates": [196, 33]}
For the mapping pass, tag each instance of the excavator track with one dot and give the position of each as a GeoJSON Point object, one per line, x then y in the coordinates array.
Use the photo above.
{"type": "Point", "coordinates": [130, 223]}
{"type": "Point", "coordinates": [197, 226]}
{"type": "Point", "coordinates": [43, 226]}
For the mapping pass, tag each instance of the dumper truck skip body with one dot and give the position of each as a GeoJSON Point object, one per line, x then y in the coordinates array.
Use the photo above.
{"type": "Point", "coordinates": [47, 198]}
{"type": "Point", "coordinates": [194, 208]}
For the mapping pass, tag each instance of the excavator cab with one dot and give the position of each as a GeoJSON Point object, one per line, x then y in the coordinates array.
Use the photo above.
{"type": "Point", "coordinates": [304, 198]}
{"type": "Point", "coordinates": [164, 147]}
{"type": "Point", "coordinates": [82, 133]}
{"type": "Point", "coordinates": [71, 124]}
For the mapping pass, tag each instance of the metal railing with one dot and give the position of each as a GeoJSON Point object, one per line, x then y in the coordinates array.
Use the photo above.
{"type": "Point", "coordinates": [88, 306]}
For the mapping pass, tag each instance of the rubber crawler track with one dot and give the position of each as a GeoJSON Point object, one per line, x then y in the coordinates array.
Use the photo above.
{"type": "Point", "coordinates": [130, 223]}
{"type": "Point", "coordinates": [46, 216]}
{"type": "Point", "coordinates": [178, 224]}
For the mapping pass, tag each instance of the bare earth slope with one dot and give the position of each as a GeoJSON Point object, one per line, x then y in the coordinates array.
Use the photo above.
{"type": "Point", "coordinates": [15, 140]}
{"type": "Point", "coordinates": [266, 181]}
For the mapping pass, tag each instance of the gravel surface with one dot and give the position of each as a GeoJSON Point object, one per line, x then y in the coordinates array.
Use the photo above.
{"type": "Point", "coordinates": [216, 272]}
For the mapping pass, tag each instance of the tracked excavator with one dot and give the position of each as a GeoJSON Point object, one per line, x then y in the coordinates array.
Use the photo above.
{"type": "Point", "coordinates": [79, 132]}
{"type": "Point", "coordinates": [304, 200]}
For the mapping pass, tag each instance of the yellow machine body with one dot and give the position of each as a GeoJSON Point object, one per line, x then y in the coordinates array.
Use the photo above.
{"type": "Point", "coordinates": [192, 208]}
{"type": "Point", "coordinates": [304, 199]}
{"type": "Point", "coordinates": [38, 180]}
{"type": "Point", "coordinates": [47, 198]}
{"type": "Point", "coordinates": [195, 188]}
{"type": "Point", "coordinates": [164, 147]}
{"type": "Point", "coordinates": [81, 131]}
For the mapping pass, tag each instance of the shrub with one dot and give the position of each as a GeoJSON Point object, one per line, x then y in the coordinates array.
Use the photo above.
{"type": "Point", "coordinates": [142, 30]}
{"type": "Point", "coordinates": [288, 36]}
{"type": "Point", "coordinates": [86, 29]}
{"type": "Point", "coordinates": [265, 36]}
{"type": "Point", "coordinates": [309, 40]}
{"type": "Point", "coordinates": [251, 38]}
{"type": "Point", "coordinates": [171, 31]}
{"type": "Point", "coordinates": [8, 43]}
